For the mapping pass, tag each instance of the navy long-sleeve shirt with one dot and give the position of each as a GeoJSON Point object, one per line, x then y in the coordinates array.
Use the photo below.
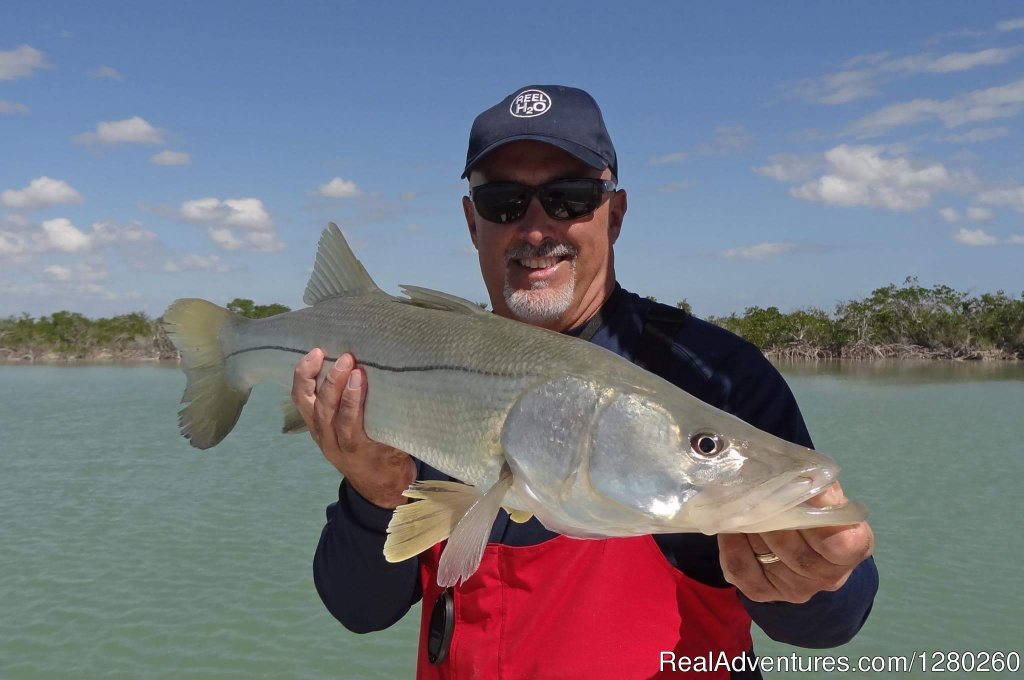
{"type": "Point", "coordinates": [366, 593]}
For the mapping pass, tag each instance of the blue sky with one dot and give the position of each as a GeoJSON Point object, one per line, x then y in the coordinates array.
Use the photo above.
{"type": "Point", "coordinates": [790, 154]}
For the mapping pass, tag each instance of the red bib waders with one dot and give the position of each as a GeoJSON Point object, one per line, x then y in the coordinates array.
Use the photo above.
{"type": "Point", "coordinates": [574, 609]}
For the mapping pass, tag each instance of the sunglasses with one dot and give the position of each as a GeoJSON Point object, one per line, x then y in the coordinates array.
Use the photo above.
{"type": "Point", "coordinates": [562, 199]}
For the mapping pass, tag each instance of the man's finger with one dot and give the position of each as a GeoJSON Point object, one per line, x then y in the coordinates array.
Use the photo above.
{"type": "Point", "coordinates": [304, 384]}
{"type": "Point", "coordinates": [348, 424]}
{"type": "Point", "coordinates": [328, 397]}
{"type": "Point", "coordinates": [741, 568]}
{"type": "Point", "coordinates": [798, 555]}
{"type": "Point", "coordinates": [304, 377]}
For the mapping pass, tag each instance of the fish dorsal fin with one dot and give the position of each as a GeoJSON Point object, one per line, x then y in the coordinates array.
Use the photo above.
{"type": "Point", "coordinates": [336, 270]}
{"type": "Point", "coordinates": [435, 299]}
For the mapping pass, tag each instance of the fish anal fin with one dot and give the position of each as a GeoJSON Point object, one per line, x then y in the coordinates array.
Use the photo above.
{"type": "Point", "coordinates": [293, 422]}
{"type": "Point", "coordinates": [336, 270]}
{"type": "Point", "coordinates": [416, 526]}
{"type": "Point", "coordinates": [519, 516]}
{"type": "Point", "coordinates": [435, 299]}
{"type": "Point", "coordinates": [465, 548]}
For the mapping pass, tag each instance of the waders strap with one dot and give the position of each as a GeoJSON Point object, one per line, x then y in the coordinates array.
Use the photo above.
{"type": "Point", "coordinates": [661, 328]}
{"type": "Point", "coordinates": [607, 311]}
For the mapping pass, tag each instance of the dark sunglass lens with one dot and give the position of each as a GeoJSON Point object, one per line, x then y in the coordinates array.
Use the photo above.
{"type": "Point", "coordinates": [567, 199]}
{"type": "Point", "coordinates": [501, 203]}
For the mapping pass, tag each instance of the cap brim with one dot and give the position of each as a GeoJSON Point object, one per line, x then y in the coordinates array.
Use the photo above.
{"type": "Point", "coordinates": [591, 158]}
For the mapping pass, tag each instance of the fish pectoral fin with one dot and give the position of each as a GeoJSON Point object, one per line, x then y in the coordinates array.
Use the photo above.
{"type": "Point", "coordinates": [293, 422]}
{"type": "Point", "coordinates": [438, 508]}
{"type": "Point", "coordinates": [436, 299]}
{"type": "Point", "coordinates": [519, 516]}
{"type": "Point", "coordinates": [465, 548]}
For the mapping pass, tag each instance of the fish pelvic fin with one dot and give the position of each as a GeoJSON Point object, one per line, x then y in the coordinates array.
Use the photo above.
{"type": "Point", "coordinates": [293, 422]}
{"type": "Point", "coordinates": [520, 516]}
{"type": "Point", "coordinates": [212, 403]}
{"type": "Point", "coordinates": [336, 271]}
{"type": "Point", "coordinates": [465, 548]}
{"type": "Point", "coordinates": [416, 526]}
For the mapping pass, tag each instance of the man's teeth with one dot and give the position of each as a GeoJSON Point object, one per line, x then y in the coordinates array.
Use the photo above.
{"type": "Point", "coordinates": [538, 262]}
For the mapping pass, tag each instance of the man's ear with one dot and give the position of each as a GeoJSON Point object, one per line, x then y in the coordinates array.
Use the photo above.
{"type": "Point", "coordinates": [616, 213]}
{"type": "Point", "coordinates": [470, 212]}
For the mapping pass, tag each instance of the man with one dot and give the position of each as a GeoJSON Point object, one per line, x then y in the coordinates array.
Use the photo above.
{"type": "Point", "coordinates": [544, 213]}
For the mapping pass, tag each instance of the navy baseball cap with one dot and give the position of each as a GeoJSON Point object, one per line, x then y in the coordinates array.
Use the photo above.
{"type": "Point", "coordinates": [565, 117]}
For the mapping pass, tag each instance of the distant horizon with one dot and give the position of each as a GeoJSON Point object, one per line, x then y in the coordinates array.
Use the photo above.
{"type": "Point", "coordinates": [793, 157]}
{"type": "Point", "coordinates": [1014, 295]}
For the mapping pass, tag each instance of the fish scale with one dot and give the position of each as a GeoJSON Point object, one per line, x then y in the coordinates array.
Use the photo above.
{"type": "Point", "coordinates": [531, 420]}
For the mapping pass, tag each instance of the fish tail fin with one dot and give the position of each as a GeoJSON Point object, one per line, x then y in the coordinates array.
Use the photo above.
{"type": "Point", "coordinates": [416, 526]}
{"type": "Point", "coordinates": [212, 403]}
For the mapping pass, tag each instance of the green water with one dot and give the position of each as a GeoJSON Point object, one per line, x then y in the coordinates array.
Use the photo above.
{"type": "Point", "coordinates": [125, 553]}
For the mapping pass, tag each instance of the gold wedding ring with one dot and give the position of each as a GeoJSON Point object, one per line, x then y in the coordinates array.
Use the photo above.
{"type": "Point", "coordinates": [767, 558]}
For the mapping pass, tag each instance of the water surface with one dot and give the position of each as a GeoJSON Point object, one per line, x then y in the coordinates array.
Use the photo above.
{"type": "Point", "coordinates": [124, 552]}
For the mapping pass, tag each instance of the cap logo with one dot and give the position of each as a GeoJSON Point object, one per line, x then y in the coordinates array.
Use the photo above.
{"type": "Point", "coordinates": [530, 103]}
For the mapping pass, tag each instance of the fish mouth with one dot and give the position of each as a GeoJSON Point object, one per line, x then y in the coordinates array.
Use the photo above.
{"type": "Point", "coordinates": [779, 503]}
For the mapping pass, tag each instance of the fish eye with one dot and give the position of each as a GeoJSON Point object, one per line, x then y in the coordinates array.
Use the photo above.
{"type": "Point", "coordinates": [707, 444]}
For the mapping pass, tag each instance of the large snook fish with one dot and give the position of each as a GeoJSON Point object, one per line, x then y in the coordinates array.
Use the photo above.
{"type": "Point", "coordinates": [533, 421]}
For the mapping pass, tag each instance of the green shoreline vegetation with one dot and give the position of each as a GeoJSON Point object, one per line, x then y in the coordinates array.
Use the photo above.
{"type": "Point", "coordinates": [907, 321]}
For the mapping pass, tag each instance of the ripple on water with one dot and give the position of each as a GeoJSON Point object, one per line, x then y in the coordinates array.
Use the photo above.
{"type": "Point", "coordinates": [127, 553]}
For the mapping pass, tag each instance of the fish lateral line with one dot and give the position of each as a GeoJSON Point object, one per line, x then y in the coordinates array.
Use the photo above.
{"type": "Point", "coordinates": [379, 366]}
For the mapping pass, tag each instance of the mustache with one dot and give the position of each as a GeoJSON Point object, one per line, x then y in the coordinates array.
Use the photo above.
{"type": "Point", "coordinates": [546, 249]}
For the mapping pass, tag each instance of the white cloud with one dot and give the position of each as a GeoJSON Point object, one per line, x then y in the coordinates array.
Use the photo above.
{"type": "Point", "coordinates": [975, 135]}
{"type": "Point", "coordinates": [106, 233]}
{"type": "Point", "coordinates": [1011, 24]}
{"type": "Point", "coordinates": [1011, 196]}
{"type": "Point", "coordinates": [950, 215]}
{"type": "Point", "coordinates": [669, 159]}
{"type": "Point", "coordinates": [12, 243]}
{"type": "Point", "coordinates": [339, 188]}
{"type": "Point", "coordinates": [234, 223]}
{"type": "Point", "coordinates": [21, 62]}
{"type": "Point", "coordinates": [791, 167]}
{"type": "Point", "coordinates": [135, 130]}
{"type": "Point", "coordinates": [965, 61]}
{"type": "Point", "coordinates": [106, 72]}
{"type": "Point", "coordinates": [976, 214]}
{"type": "Point", "coordinates": [732, 137]}
{"type": "Point", "coordinates": [671, 187]}
{"type": "Point", "coordinates": [83, 273]}
{"type": "Point", "coordinates": [58, 273]}
{"type": "Point", "coordinates": [759, 251]}
{"type": "Point", "coordinates": [40, 192]}
{"type": "Point", "coordinates": [203, 263]}
{"type": "Point", "coordinates": [91, 273]}
{"type": "Point", "coordinates": [12, 107]}
{"type": "Point", "coordinates": [246, 213]}
{"type": "Point", "coordinates": [169, 157]}
{"type": "Point", "coordinates": [974, 237]}
{"type": "Point", "coordinates": [870, 176]}
{"type": "Point", "coordinates": [862, 76]}
{"type": "Point", "coordinates": [1003, 101]}
{"type": "Point", "coordinates": [1016, 239]}
{"type": "Point", "coordinates": [60, 234]}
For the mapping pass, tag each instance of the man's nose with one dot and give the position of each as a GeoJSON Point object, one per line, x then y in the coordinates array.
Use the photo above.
{"type": "Point", "coordinates": [536, 226]}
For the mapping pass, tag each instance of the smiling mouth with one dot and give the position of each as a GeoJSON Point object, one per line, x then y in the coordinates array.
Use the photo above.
{"type": "Point", "coordinates": [535, 263]}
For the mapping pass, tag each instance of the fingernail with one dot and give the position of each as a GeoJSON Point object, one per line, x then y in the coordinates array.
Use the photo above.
{"type": "Point", "coordinates": [344, 362]}
{"type": "Point", "coordinates": [355, 380]}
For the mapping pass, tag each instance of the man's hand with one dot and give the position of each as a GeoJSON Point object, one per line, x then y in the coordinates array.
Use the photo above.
{"type": "Point", "coordinates": [334, 416]}
{"type": "Point", "coordinates": [811, 560]}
